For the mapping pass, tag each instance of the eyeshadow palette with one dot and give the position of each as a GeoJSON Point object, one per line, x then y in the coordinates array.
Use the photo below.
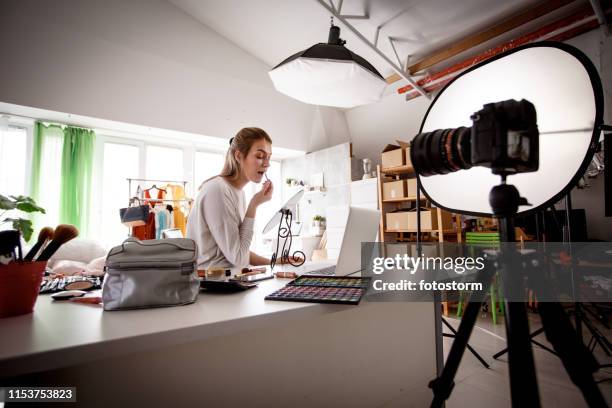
{"type": "Point", "coordinates": [323, 289]}
{"type": "Point", "coordinates": [331, 281]}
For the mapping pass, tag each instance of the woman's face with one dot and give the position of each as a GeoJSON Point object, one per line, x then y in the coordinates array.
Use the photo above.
{"type": "Point", "coordinates": [257, 161]}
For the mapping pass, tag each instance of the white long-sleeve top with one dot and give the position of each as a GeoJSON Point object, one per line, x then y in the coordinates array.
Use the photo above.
{"type": "Point", "coordinates": [218, 225]}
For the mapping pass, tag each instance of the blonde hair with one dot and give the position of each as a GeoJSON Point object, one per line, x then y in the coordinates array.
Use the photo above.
{"type": "Point", "coordinates": [242, 142]}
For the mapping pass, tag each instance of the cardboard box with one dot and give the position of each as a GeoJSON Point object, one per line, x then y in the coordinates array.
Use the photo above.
{"type": "Point", "coordinates": [407, 220]}
{"type": "Point", "coordinates": [397, 221]}
{"type": "Point", "coordinates": [394, 189]}
{"type": "Point", "coordinates": [395, 155]}
{"type": "Point", "coordinates": [411, 187]}
{"type": "Point", "coordinates": [392, 156]}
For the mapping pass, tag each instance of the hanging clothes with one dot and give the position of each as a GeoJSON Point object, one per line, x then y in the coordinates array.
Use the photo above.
{"type": "Point", "coordinates": [146, 231]}
{"type": "Point", "coordinates": [178, 216]}
{"type": "Point", "coordinates": [162, 219]}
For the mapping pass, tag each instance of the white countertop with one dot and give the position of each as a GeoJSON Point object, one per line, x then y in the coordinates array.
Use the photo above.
{"type": "Point", "coordinates": [60, 333]}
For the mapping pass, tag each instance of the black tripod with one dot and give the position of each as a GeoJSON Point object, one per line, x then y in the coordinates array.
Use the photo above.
{"type": "Point", "coordinates": [467, 345]}
{"type": "Point", "coordinates": [580, 310]}
{"type": "Point", "coordinates": [577, 360]}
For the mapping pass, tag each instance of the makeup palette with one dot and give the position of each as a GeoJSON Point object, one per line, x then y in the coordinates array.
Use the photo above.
{"type": "Point", "coordinates": [323, 289]}
{"type": "Point", "coordinates": [332, 281]}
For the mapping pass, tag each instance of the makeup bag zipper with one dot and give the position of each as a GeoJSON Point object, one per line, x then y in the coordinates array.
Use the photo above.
{"type": "Point", "coordinates": [184, 268]}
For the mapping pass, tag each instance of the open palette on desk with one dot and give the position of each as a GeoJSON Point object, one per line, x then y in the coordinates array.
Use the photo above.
{"type": "Point", "coordinates": [323, 289]}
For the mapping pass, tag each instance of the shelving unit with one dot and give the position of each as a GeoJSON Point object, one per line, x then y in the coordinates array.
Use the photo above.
{"type": "Point", "coordinates": [390, 204]}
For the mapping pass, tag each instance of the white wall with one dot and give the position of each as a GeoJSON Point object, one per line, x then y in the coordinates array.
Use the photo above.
{"type": "Point", "coordinates": [373, 126]}
{"type": "Point", "coordinates": [329, 128]}
{"type": "Point", "coordinates": [144, 62]}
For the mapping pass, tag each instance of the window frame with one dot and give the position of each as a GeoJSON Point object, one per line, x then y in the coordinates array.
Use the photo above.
{"type": "Point", "coordinates": [28, 126]}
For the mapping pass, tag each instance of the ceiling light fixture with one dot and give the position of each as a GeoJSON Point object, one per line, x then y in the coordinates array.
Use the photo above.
{"type": "Point", "coordinates": [329, 74]}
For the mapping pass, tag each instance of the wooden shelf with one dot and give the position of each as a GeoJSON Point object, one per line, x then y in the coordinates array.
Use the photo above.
{"type": "Point", "coordinates": [402, 199]}
{"type": "Point", "coordinates": [398, 172]}
{"type": "Point", "coordinates": [406, 169]}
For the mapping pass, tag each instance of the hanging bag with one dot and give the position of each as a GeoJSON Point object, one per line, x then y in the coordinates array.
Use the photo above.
{"type": "Point", "coordinates": [134, 216]}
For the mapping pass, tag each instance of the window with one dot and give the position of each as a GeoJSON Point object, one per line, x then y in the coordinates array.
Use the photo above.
{"type": "Point", "coordinates": [114, 189]}
{"type": "Point", "coordinates": [50, 178]}
{"type": "Point", "coordinates": [13, 161]}
{"type": "Point", "coordinates": [206, 166]}
{"type": "Point", "coordinates": [164, 163]}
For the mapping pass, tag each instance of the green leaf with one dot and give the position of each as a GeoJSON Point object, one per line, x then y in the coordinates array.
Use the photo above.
{"type": "Point", "coordinates": [6, 203]}
{"type": "Point", "coordinates": [29, 206]}
{"type": "Point", "coordinates": [22, 225]}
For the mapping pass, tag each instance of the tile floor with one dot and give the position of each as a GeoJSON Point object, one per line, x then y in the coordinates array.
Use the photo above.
{"type": "Point", "coordinates": [476, 386]}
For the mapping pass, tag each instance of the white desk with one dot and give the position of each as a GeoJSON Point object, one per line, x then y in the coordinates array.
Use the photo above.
{"type": "Point", "coordinates": [364, 355]}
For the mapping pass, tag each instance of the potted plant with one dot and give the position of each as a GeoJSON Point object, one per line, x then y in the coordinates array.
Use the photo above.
{"type": "Point", "coordinates": [21, 203]}
{"type": "Point", "coordinates": [19, 281]}
{"type": "Point", "coordinates": [318, 221]}
{"type": "Point", "coordinates": [293, 182]}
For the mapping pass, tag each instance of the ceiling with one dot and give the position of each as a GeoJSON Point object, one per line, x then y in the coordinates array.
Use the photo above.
{"type": "Point", "coordinates": [271, 30]}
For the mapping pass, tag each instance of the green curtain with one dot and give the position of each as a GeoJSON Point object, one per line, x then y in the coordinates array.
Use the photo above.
{"type": "Point", "coordinates": [76, 188]}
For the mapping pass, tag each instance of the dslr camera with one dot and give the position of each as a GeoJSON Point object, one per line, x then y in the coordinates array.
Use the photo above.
{"type": "Point", "coordinates": [503, 136]}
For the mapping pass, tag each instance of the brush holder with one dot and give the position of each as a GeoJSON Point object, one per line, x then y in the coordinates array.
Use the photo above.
{"type": "Point", "coordinates": [19, 286]}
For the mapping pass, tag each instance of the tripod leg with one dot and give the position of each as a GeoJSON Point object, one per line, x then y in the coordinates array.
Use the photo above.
{"type": "Point", "coordinates": [443, 385]}
{"type": "Point", "coordinates": [504, 351]}
{"type": "Point", "coordinates": [523, 381]}
{"type": "Point", "coordinates": [452, 329]}
{"type": "Point", "coordinates": [537, 343]}
{"type": "Point", "coordinates": [577, 359]}
{"type": "Point", "coordinates": [597, 336]}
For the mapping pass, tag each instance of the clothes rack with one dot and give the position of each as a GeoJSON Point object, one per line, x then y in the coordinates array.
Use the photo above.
{"type": "Point", "coordinates": [180, 202]}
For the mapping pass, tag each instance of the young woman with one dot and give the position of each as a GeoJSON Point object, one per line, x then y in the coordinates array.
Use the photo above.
{"type": "Point", "coordinates": [221, 222]}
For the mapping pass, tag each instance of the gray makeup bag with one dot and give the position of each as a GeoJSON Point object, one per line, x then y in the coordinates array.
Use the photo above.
{"type": "Point", "coordinates": [151, 273]}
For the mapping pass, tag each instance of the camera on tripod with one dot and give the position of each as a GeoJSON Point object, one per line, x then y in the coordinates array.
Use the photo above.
{"type": "Point", "coordinates": [504, 137]}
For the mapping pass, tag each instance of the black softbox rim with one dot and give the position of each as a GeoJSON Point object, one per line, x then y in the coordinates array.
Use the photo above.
{"type": "Point", "coordinates": [324, 51]}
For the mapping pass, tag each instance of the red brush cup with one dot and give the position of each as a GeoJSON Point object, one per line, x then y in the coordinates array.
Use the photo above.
{"type": "Point", "coordinates": [19, 286]}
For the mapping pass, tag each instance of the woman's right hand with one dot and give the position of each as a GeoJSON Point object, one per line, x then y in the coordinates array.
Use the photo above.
{"type": "Point", "coordinates": [263, 195]}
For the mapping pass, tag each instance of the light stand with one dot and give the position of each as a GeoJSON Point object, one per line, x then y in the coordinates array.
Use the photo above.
{"type": "Point", "coordinates": [439, 319]}
{"type": "Point", "coordinates": [577, 360]}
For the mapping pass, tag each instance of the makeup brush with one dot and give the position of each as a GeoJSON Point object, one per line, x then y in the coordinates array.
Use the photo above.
{"type": "Point", "coordinates": [44, 235]}
{"type": "Point", "coordinates": [62, 234]}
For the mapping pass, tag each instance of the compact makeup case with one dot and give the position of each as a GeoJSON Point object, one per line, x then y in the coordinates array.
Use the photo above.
{"type": "Point", "coordinates": [150, 273]}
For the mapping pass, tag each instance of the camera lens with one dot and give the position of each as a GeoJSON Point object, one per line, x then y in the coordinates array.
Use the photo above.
{"type": "Point", "coordinates": [441, 151]}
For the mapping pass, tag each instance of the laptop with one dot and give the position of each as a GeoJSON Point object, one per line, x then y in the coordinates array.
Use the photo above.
{"type": "Point", "coordinates": [361, 226]}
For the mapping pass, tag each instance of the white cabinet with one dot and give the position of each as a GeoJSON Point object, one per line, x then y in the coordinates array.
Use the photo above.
{"type": "Point", "coordinates": [364, 193]}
